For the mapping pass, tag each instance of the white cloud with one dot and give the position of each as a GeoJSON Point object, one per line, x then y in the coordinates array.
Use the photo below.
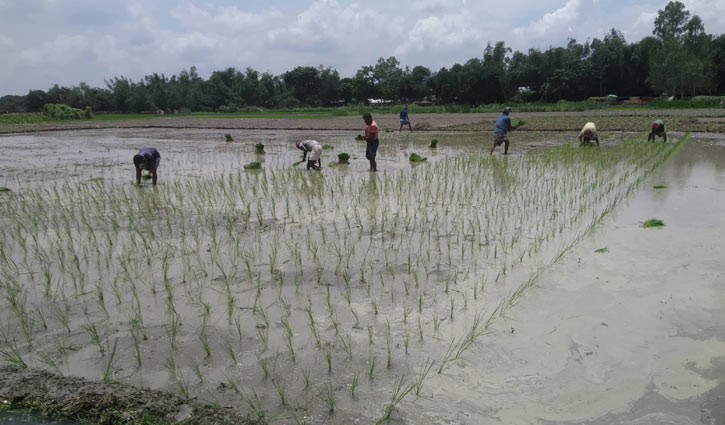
{"type": "Point", "coordinates": [43, 42]}
{"type": "Point", "coordinates": [552, 23]}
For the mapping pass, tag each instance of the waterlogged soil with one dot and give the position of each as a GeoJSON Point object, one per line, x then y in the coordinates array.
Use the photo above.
{"type": "Point", "coordinates": [630, 335]}
{"type": "Point", "coordinates": [708, 120]}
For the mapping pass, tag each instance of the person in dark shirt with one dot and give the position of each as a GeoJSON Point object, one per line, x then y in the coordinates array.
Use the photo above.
{"type": "Point", "coordinates": [147, 159]}
{"type": "Point", "coordinates": [404, 119]}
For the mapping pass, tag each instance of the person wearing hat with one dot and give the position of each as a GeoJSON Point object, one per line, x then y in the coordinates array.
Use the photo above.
{"type": "Point", "coordinates": [657, 130]}
{"type": "Point", "coordinates": [147, 159]}
{"type": "Point", "coordinates": [314, 149]}
{"type": "Point", "coordinates": [588, 133]}
{"type": "Point", "coordinates": [500, 133]}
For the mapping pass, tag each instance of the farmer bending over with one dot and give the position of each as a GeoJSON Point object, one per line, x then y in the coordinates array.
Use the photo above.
{"type": "Point", "coordinates": [657, 130]}
{"type": "Point", "coordinates": [588, 133]}
{"type": "Point", "coordinates": [147, 159]}
{"type": "Point", "coordinates": [500, 133]}
{"type": "Point", "coordinates": [315, 151]}
{"type": "Point", "coordinates": [371, 137]}
{"type": "Point", "coordinates": [404, 120]}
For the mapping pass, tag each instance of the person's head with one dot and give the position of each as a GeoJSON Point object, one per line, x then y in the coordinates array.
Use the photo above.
{"type": "Point", "coordinates": [655, 126]}
{"type": "Point", "coordinates": [298, 143]}
{"type": "Point", "coordinates": [506, 110]}
{"type": "Point", "coordinates": [368, 118]}
{"type": "Point", "coordinates": [139, 161]}
{"type": "Point", "coordinates": [405, 107]}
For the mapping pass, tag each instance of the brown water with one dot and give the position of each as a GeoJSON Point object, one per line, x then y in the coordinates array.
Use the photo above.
{"type": "Point", "coordinates": [602, 337]}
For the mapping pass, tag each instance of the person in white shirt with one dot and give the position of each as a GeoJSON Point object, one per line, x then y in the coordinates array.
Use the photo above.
{"type": "Point", "coordinates": [314, 148]}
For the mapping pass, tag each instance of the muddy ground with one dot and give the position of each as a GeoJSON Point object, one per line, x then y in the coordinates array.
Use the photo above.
{"type": "Point", "coordinates": [628, 334]}
{"type": "Point", "coordinates": [710, 120]}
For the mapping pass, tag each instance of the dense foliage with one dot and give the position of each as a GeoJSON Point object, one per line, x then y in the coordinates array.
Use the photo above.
{"type": "Point", "coordinates": [680, 59]}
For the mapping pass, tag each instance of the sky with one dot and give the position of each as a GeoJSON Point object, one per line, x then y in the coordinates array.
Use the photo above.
{"type": "Point", "coordinates": [65, 42]}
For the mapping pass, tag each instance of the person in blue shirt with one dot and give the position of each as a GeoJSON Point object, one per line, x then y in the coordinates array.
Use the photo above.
{"type": "Point", "coordinates": [503, 126]}
{"type": "Point", "coordinates": [404, 120]}
{"type": "Point", "coordinates": [147, 159]}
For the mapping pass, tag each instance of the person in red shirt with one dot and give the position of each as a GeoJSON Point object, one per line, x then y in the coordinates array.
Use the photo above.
{"type": "Point", "coordinates": [371, 137]}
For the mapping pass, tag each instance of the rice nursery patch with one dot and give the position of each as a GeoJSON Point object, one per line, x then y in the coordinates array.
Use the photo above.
{"type": "Point", "coordinates": [283, 292]}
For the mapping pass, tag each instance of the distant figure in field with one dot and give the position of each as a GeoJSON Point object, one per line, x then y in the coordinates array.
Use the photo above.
{"type": "Point", "coordinates": [314, 149]}
{"type": "Point", "coordinates": [147, 159]}
{"type": "Point", "coordinates": [588, 133]}
{"type": "Point", "coordinates": [657, 130]}
{"type": "Point", "coordinates": [500, 133]}
{"type": "Point", "coordinates": [404, 120]}
{"type": "Point", "coordinates": [371, 137]}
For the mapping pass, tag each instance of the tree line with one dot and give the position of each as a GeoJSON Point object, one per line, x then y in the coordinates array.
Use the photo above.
{"type": "Point", "coordinates": [680, 59]}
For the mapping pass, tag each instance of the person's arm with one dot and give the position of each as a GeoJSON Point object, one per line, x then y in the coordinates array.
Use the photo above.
{"type": "Point", "coordinates": [596, 139]}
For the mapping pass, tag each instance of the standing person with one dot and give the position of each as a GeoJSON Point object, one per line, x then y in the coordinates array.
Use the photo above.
{"type": "Point", "coordinates": [588, 133]}
{"type": "Point", "coordinates": [147, 159]}
{"type": "Point", "coordinates": [500, 133]}
{"type": "Point", "coordinates": [315, 150]}
{"type": "Point", "coordinates": [371, 137]}
{"type": "Point", "coordinates": [404, 120]}
{"type": "Point", "coordinates": [657, 130]}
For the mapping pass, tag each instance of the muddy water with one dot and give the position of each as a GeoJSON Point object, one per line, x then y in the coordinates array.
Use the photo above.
{"type": "Point", "coordinates": [510, 375]}
{"type": "Point", "coordinates": [633, 335]}
{"type": "Point", "coordinates": [30, 419]}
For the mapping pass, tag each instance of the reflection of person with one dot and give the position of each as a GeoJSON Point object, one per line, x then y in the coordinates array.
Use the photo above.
{"type": "Point", "coordinates": [315, 151]}
{"type": "Point", "coordinates": [657, 130]}
{"type": "Point", "coordinates": [371, 137]}
{"type": "Point", "coordinates": [588, 133]}
{"type": "Point", "coordinates": [147, 159]}
{"type": "Point", "coordinates": [404, 120]}
{"type": "Point", "coordinates": [500, 133]}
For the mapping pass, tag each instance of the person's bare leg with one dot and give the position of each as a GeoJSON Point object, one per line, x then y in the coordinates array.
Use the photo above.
{"type": "Point", "coordinates": [138, 175]}
{"type": "Point", "coordinates": [506, 147]}
{"type": "Point", "coordinates": [154, 176]}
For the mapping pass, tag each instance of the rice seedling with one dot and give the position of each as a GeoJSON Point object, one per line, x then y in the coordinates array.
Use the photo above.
{"type": "Point", "coordinates": [108, 370]}
{"type": "Point", "coordinates": [653, 222]}
{"type": "Point", "coordinates": [228, 137]}
{"type": "Point", "coordinates": [254, 165]}
{"type": "Point", "coordinates": [259, 149]}
{"type": "Point", "coordinates": [398, 394]}
{"type": "Point", "coordinates": [601, 250]}
{"type": "Point", "coordinates": [343, 158]}
{"type": "Point", "coordinates": [433, 143]}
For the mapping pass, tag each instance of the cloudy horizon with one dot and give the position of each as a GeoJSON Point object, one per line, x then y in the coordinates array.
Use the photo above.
{"type": "Point", "coordinates": [46, 42]}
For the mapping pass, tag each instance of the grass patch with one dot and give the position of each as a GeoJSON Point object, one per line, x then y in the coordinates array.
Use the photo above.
{"type": "Point", "coordinates": [433, 143]}
{"type": "Point", "coordinates": [259, 149]}
{"type": "Point", "coordinates": [601, 250]}
{"type": "Point", "coordinates": [148, 176]}
{"type": "Point", "coordinates": [333, 164]}
{"type": "Point", "coordinates": [414, 157]}
{"type": "Point", "coordinates": [254, 165]}
{"type": "Point", "coordinates": [327, 147]}
{"type": "Point", "coordinates": [653, 222]}
{"type": "Point", "coordinates": [659, 186]}
{"type": "Point", "coordinates": [4, 189]}
{"type": "Point", "coordinates": [97, 179]}
{"type": "Point", "coordinates": [228, 137]}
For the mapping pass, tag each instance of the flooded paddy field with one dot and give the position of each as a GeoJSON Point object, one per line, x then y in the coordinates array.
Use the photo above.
{"type": "Point", "coordinates": [469, 288]}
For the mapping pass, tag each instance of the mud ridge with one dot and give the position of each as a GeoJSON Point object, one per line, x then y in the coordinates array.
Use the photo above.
{"type": "Point", "coordinates": [103, 403]}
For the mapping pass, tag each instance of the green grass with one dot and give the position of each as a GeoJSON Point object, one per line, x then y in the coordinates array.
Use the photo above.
{"type": "Point", "coordinates": [4, 189]}
{"type": "Point", "coordinates": [659, 186]}
{"type": "Point", "coordinates": [653, 222]}
{"type": "Point", "coordinates": [414, 157]}
{"type": "Point", "coordinates": [253, 166]}
{"type": "Point", "coordinates": [601, 250]}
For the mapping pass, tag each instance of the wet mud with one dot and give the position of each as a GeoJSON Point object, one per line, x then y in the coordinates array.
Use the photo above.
{"type": "Point", "coordinates": [316, 311]}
